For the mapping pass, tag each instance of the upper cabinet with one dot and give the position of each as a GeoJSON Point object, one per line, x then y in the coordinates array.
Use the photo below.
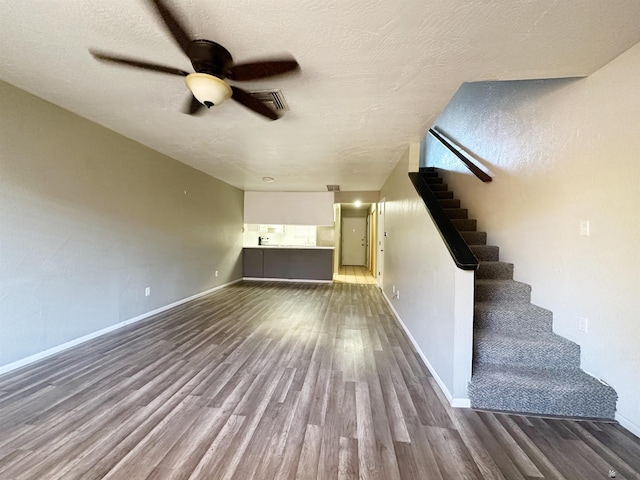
{"type": "Point", "coordinates": [289, 208]}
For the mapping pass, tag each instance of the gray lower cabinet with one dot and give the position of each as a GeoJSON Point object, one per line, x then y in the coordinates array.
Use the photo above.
{"type": "Point", "coordinates": [289, 263]}
{"type": "Point", "coordinates": [311, 264]}
{"type": "Point", "coordinates": [277, 263]}
{"type": "Point", "coordinates": [252, 262]}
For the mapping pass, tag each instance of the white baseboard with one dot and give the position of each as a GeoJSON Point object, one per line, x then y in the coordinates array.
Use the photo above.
{"type": "Point", "coordinates": [292, 280]}
{"type": "Point", "coordinates": [72, 343]}
{"type": "Point", "coordinates": [628, 424]}
{"type": "Point", "coordinates": [455, 402]}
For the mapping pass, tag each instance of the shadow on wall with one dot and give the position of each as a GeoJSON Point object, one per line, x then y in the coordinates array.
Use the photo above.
{"type": "Point", "coordinates": [511, 102]}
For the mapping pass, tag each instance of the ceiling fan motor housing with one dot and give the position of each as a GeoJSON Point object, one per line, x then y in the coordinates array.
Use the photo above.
{"type": "Point", "coordinates": [209, 57]}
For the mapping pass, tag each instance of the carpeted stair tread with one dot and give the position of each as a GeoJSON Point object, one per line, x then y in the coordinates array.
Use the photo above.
{"type": "Point", "coordinates": [439, 187]}
{"type": "Point", "coordinates": [543, 350]}
{"type": "Point", "coordinates": [502, 291]}
{"type": "Point", "coordinates": [542, 391]}
{"type": "Point", "coordinates": [432, 179]}
{"type": "Point", "coordinates": [474, 238]}
{"type": "Point", "coordinates": [486, 253]}
{"type": "Point", "coordinates": [494, 270]}
{"type": "Point", "coordinates": [510, 316]}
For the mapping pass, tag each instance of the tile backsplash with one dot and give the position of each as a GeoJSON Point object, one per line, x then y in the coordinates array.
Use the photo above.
{"type": "Point", "coordinates": [289, 235]}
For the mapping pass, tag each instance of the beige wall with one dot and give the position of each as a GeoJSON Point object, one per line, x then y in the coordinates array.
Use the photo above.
{"type": "Point", "coordinates": [436, 298]}
{"type": "Point", "coordinates": [352, 197]}
{"type": "Point", "coordinates": [563, 151]}
{"type": "Point", "coordinates": [89, 219]}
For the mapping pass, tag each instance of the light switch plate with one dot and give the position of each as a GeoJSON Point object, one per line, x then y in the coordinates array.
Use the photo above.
{"type": "Point", "coordinates": [584, 228]}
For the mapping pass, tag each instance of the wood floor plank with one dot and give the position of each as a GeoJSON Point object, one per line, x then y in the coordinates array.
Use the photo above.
{"type": "Point", "coordinates": [308, 464]}
{"type": "Point", "coordinates": [511, 446]}
{"type": "Point", "coordinates": [537, 457]}
{"type": "Point", "coordinates": [452, 456]}
{"type": "Point", "coordinates": [366, 438]}
{"type": "Point", "coordinates": [266, 380]}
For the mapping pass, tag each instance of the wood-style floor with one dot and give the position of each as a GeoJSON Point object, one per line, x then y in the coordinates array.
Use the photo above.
{"type": "Point", "coordinates": [264, 380]}
{"type": "Point", "coordinates": [354, 274]}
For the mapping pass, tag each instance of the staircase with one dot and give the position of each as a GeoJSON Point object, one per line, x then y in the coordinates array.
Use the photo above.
{"type": "Point", "coordinates": [519, 364]}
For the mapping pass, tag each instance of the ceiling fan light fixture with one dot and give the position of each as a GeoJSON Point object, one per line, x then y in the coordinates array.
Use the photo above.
{"type": "Point", "coordinates": [207, 89]}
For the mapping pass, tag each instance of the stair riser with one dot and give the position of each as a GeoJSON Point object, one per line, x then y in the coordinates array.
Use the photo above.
{"type": "Point", "coordinates": [526, 354]}
{"type": "Point", "coordinates": [438, 187]}
{"type": "Point", "coordinates": [431, 180]}
{"type": "Point", "coordinates": [495, 271]}
{"type": "Point", "coordinates": [474, 238]}
{"type": "Point", "coordinates": [530, 318]}
{"type": "Point", "coordinates": [449, 203]}
{"type": "Point", "coordinates": [456, 212]}
{"type": "Point", "coordinates": [443, 195]}
{"type": "Point", "coordinates": [464, 225]}
{"type": "Point", "coordinates": [513, 292]}
{"type": "Point", "coordinates": [544, 402]}
{"type": "Point", "coordinates": [486, 253]}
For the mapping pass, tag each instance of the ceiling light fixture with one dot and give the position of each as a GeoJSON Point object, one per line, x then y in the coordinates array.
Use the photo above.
{"type": "Point", "coordinates": [268, 179]}
{"type": "Point", "coordinates": [357, 203]}
{"type": "Point", "coordinates": [207, 89]}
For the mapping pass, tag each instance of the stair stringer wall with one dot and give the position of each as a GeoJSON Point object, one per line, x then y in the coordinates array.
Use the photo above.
{"type": "Point", "coordinates": [435, 304]}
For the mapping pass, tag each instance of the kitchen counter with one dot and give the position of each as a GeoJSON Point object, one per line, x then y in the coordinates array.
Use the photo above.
{"type": "Point", "coordinates": [281, 262]}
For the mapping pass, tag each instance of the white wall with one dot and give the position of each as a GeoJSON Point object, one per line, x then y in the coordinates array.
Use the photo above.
{"type": "Point", "coordinates": [436, 298]}
{"type": "Point", "coordinates": [563, 151]}
{"type": "Point", "coordinates": [88, 219]}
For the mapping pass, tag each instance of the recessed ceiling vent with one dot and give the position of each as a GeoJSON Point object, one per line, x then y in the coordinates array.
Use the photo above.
{"type": "Point", "coordinates": [333, 188]}
{"type": "Point", "coordinates": [273, 98]}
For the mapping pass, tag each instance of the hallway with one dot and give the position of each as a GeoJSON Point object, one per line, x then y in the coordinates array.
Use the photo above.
{"type": "Point", "coordinates": [354, 274]}
{"type": "Point", "coordinates": [267, 380]}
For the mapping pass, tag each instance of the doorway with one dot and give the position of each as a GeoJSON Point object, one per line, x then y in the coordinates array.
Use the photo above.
{"type": "Point", "coordinates": [354, 241]}
{"type": "Point", "coordinates": [380, 238]}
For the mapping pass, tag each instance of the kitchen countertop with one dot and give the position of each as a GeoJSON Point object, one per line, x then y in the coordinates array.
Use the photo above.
{"type": "Point", "coordinates": [298, 247]}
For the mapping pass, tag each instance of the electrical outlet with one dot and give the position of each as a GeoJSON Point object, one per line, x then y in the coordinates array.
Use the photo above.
{"type": "Point", "coordinates": [584, 324]}
{"type": "Point", "coordinates": [216, 273]}
{"type": "Point", "coordinates": [147, 291]}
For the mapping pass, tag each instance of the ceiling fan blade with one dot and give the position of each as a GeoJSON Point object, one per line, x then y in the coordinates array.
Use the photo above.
{"type": "Point", "coordinates": [193, 107]}
{"type": "Point", "coordinates": [138, 63]}
{"type": "Point", "coordinates": [252, 103]}
{"type": "Point", "coordinates": [263, 69]}
{"type": "Point", "coordinates": [176, 30]}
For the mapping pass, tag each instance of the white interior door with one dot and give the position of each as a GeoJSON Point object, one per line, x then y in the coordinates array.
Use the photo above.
{"type": "Point", "coordinates": [354, 244]}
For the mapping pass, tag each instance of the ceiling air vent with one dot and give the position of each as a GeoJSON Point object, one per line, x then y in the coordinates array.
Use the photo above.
{"type": "Point", "coordinates": [333, 188]}
{"type": "Point", "coordinates": [272, 98]}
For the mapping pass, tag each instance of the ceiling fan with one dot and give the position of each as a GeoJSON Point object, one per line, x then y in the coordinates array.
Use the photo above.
{"type": "Point", "coordinates": [212, 64]}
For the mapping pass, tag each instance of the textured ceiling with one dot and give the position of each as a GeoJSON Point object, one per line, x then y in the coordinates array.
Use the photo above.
{"type": "Point", "coordinates": [375, 74]}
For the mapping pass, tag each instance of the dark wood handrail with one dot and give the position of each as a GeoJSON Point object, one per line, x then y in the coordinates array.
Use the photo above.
{"type": "Point", "coordinates": [458, 248]}
{"type": "Point", "coordinates": [469, 164]}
